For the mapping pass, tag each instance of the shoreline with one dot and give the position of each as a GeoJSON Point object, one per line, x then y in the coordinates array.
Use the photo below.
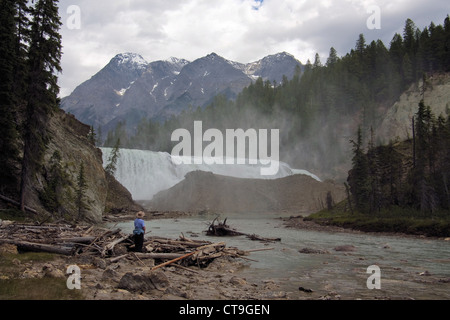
{"type": "Point", "coordinates": [293, 221]}
{"type": "Point", "coordinates": [130, 276]}
{"type": "Point", "coordinates": [223, 279]}
{"type": "Point", "coordinates": [299, 222]}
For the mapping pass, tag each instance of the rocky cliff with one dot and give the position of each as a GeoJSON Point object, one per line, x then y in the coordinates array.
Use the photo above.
{"type": "Point", "coordinates": [70, 141]}
{"type": "Point", "coordinates": [207, 191]}
{"type": "Point", "coordinates": [397, 123]}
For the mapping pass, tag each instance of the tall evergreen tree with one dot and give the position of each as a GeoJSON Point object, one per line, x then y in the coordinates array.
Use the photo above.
{"type": "Point", "coordinates": [317, 62]}
{"type": "Point", "coordinates": [44, 56]}
{"type": "Point", "coordinates": [332, 58]}
{"type": "Point", "coordinates": [113, 158]}
{"type": "Point", "coordinates": [80, 191]}
{"type": "Point", "coordinates": [423, 191]}
{"type": "Point", "coordinates": [409, 37]}
{"type": "Point", "coordinates": [360, 44]}
{"type": "Point", "coordinates": [21, 52]}
{"type": "Point", "coordinates": [8, 130]}
{"type": "Point", "coordinates": [359, 177]}
{"type": "Point", "coordinates": [447, 43]}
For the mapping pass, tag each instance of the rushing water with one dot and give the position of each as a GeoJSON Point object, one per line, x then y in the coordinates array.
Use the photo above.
{"type": "Point", "coordinates": [410, 267]}
{"type": "Point", "coordinates": [145, 173]}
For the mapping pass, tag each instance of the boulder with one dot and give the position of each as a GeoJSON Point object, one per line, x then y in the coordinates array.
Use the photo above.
{"type": "Point", "coordinates": [144, 282]}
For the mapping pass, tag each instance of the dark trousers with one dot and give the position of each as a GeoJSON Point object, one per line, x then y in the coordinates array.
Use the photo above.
{"type": "Point", "coordinates": [138, 242]}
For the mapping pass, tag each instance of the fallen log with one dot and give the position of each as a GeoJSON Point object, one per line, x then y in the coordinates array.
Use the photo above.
{"type": "Point", "coordinates": [17, 204]}
{"type": "Point", "coordinates": [220, 244]}
{"type": "Point", "coordinates": [110, 246]}
{"type": "Point", "coordinates": [158, 255]}
{"type": "Point", "coordinates": [39, 247]}
{"type": "Point", "coordinates": [222, 229]}
{"type": "Point", "coordinates": [77, 239]}
{"type": "Point", "coordinates": [115, 259]}
{"type": "Point", "coordinates": [180, 243]}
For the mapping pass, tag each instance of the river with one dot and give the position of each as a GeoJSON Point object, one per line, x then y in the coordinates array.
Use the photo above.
{"type": "Point", "coordinates": [410, 268]}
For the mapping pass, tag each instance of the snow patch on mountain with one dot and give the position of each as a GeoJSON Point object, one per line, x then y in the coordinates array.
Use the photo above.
{"type": "Point", "coordinates": [130, 60]}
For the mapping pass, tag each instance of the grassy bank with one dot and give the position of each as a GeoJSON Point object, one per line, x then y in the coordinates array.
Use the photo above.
{"type": "Point", "coordinates": [13, 286]}
{"type": "Point", "coordinates": [395, 219]}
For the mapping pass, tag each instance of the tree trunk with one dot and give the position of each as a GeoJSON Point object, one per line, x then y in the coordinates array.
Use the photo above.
{"type": "Point", "coordinates": [23, 183]}
{"type": "Point", "coordinates": [39, 247]}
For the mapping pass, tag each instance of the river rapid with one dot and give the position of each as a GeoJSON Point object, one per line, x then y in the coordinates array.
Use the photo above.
{"type": "Point", "coordinates": [410, 268]}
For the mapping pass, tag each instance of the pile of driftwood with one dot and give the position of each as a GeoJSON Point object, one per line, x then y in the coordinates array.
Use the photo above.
{"type": "Point", "coordinates": [114, 245]}
{"type": "Point", "coordinates": [61, 238]}
{"type": "Point", "coordinates": [221, 229]}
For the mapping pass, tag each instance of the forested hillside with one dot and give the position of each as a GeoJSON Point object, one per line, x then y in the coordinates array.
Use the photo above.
{"type": "Point", "coordinates": [319, 111]}
{"type": "Point", "coordinates": [49, 165]}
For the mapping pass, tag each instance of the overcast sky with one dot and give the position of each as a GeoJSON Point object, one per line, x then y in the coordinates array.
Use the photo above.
{"type": "Point", "coordinates": [239, 30]}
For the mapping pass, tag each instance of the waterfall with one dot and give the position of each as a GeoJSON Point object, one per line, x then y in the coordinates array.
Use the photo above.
{"type": "Point", "coordinates": [145, 173]}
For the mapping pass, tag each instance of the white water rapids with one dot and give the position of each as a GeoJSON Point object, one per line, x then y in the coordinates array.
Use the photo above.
{"type": "Point", "coordinates": [145, 173]}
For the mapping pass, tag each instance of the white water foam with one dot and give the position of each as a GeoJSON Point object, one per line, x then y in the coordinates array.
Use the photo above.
{"type": "Point", "coordinates": [145, 173]}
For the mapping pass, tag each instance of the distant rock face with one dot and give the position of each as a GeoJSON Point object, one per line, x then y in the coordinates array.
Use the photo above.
{"type": "Point", "coordinates": [129, 88]}
{"type": "Point", "coordinates": [207, 191]}
{"type": "Point", "coordinates": [398, 120]}
{"type": "Point", "coordinates": [69, 138]}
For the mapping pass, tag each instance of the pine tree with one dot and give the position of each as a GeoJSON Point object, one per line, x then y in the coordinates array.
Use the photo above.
{"type": "Point", "coordinates": [332, 58]}
{"type": "Point", "coordinates": [408, 69]}
{"type": "Point", "coordinates": [111, 167]}
{"type": "Point", "coordinates": [359, 176]}
{"type": "Point", "coordinates": [21, 52]}
{"type": "Point", "coordinates": [424, 195]}
{"type": "Point", "coordinates": [8, 130]}
{"type": "Point", "coordinates": [409, 38]}
{"type": "Point", "coordinates": [317, 62]}
{"type": "Point", "coordinates": [56, 179]}
{"type": "Point", "coordinates": [447, 43]}
{"type": "Point", "coordinates": [44, 56]}
{"type": "Point", "coordinates": [81, 191]}
{"type": "Point", "coordinates": [360, 44]}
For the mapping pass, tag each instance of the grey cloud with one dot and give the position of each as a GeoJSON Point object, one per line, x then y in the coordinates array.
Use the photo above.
{"type": "Point", "coordinates": [188, 29]}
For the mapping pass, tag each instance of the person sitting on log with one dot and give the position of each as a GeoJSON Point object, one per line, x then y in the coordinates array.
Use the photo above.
{"type": "Point", "coordinates": [139, 231]}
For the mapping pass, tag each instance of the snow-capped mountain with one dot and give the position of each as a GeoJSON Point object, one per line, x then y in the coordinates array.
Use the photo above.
{"type": "Point", "coordinates": [129, 88]}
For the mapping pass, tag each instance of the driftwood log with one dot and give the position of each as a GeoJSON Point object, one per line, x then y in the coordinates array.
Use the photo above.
{"type": "Point", "coordinates": [39, 247]}
{"type": "Point", "coordinates": [17, 204]}
{"type": "Point", "coordinates": [222, 229]}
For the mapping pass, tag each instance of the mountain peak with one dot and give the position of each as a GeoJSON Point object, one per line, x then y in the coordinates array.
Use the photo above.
{"type": "Point", "coordinates": [130, 60]}
{"type": "Point", "coordinates": [177, 61]}
{"type": "Point", "coordinates": [279, 56]}
{"type": "Point", "coordinates": [129, 88]}
{"type": "Point", "coordinates": [213, 56]}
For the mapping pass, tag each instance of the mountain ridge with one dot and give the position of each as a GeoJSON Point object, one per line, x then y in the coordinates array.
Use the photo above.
{"type": "Point", "coordinates": [129, 88]}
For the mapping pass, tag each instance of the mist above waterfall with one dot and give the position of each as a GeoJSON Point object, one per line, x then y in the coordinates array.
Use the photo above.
{"type": "Point", "coordinates": [145, 173]}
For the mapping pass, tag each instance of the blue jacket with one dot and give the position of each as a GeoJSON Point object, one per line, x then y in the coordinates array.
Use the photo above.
{"type": "Point", "coordinates": [139, 225]}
